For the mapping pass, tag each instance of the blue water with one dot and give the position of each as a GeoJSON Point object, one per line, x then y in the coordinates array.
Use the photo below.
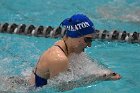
{"type": "Point", "coordinates": [18, 53]}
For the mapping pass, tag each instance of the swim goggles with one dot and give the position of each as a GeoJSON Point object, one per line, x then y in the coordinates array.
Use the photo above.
{"type": "Point", "coordinates": [88, 39]}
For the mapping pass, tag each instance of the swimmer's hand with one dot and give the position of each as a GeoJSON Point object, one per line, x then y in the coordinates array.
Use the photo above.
{"type": "Point", "coordinates": [111, 76]}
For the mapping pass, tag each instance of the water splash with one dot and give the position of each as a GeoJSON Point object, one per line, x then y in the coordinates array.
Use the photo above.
{"type": "Point", "coordinates": [79, 66]}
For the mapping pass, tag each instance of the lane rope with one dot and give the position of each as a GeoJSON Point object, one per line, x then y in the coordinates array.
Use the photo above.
{"type": "Point", "coordinates": [58, 32]}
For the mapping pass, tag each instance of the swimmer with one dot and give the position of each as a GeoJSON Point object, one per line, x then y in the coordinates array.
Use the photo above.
{"type": "Point", "coordinates": [80, 33]}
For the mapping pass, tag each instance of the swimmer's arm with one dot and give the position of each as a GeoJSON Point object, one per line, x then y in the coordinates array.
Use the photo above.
{"type": "Point", "coordinates": [88, 80]}
{"type": "Point", "coordinates": [78, 83]}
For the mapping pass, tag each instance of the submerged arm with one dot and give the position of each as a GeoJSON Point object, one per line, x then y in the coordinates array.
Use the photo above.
{"type": "Point", "coordinates": [86, 81]}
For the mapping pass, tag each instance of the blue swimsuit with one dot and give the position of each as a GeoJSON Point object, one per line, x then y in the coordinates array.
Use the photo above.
{"type": "Point", "coordinates": [39, 81]}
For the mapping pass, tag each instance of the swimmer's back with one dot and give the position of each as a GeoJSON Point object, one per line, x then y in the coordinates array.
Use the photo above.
{"type": "Point", "coordinates": [54, 60]}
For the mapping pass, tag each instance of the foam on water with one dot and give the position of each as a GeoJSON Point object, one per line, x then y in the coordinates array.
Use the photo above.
{"type": "Point", "coordinates": [13, 84]}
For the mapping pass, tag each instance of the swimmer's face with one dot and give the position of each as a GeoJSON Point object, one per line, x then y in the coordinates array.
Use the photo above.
{"type": "Point", "coordinates": [83, 42]}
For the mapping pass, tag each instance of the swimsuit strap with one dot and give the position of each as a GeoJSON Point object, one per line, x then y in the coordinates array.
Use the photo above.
{"type": "Point", "coordinates": [66, 46]}
{"type": "Point", "coordinates": [62, 48]}
{"type": "Point", "coordinates": [34, 71]}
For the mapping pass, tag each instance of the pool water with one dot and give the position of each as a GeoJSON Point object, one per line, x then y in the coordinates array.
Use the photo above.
{"type": "Point", "coordinates": [20, 53]}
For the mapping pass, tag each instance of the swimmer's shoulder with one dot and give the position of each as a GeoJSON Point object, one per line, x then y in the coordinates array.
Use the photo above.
{"type": "Point", "coordinates": [56, 60]}
{"type": "Point", "coordinates": [54, 54]}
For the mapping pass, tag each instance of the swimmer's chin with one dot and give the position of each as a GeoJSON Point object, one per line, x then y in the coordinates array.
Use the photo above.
{"type": "Point", "coordinates": [80, 51]}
